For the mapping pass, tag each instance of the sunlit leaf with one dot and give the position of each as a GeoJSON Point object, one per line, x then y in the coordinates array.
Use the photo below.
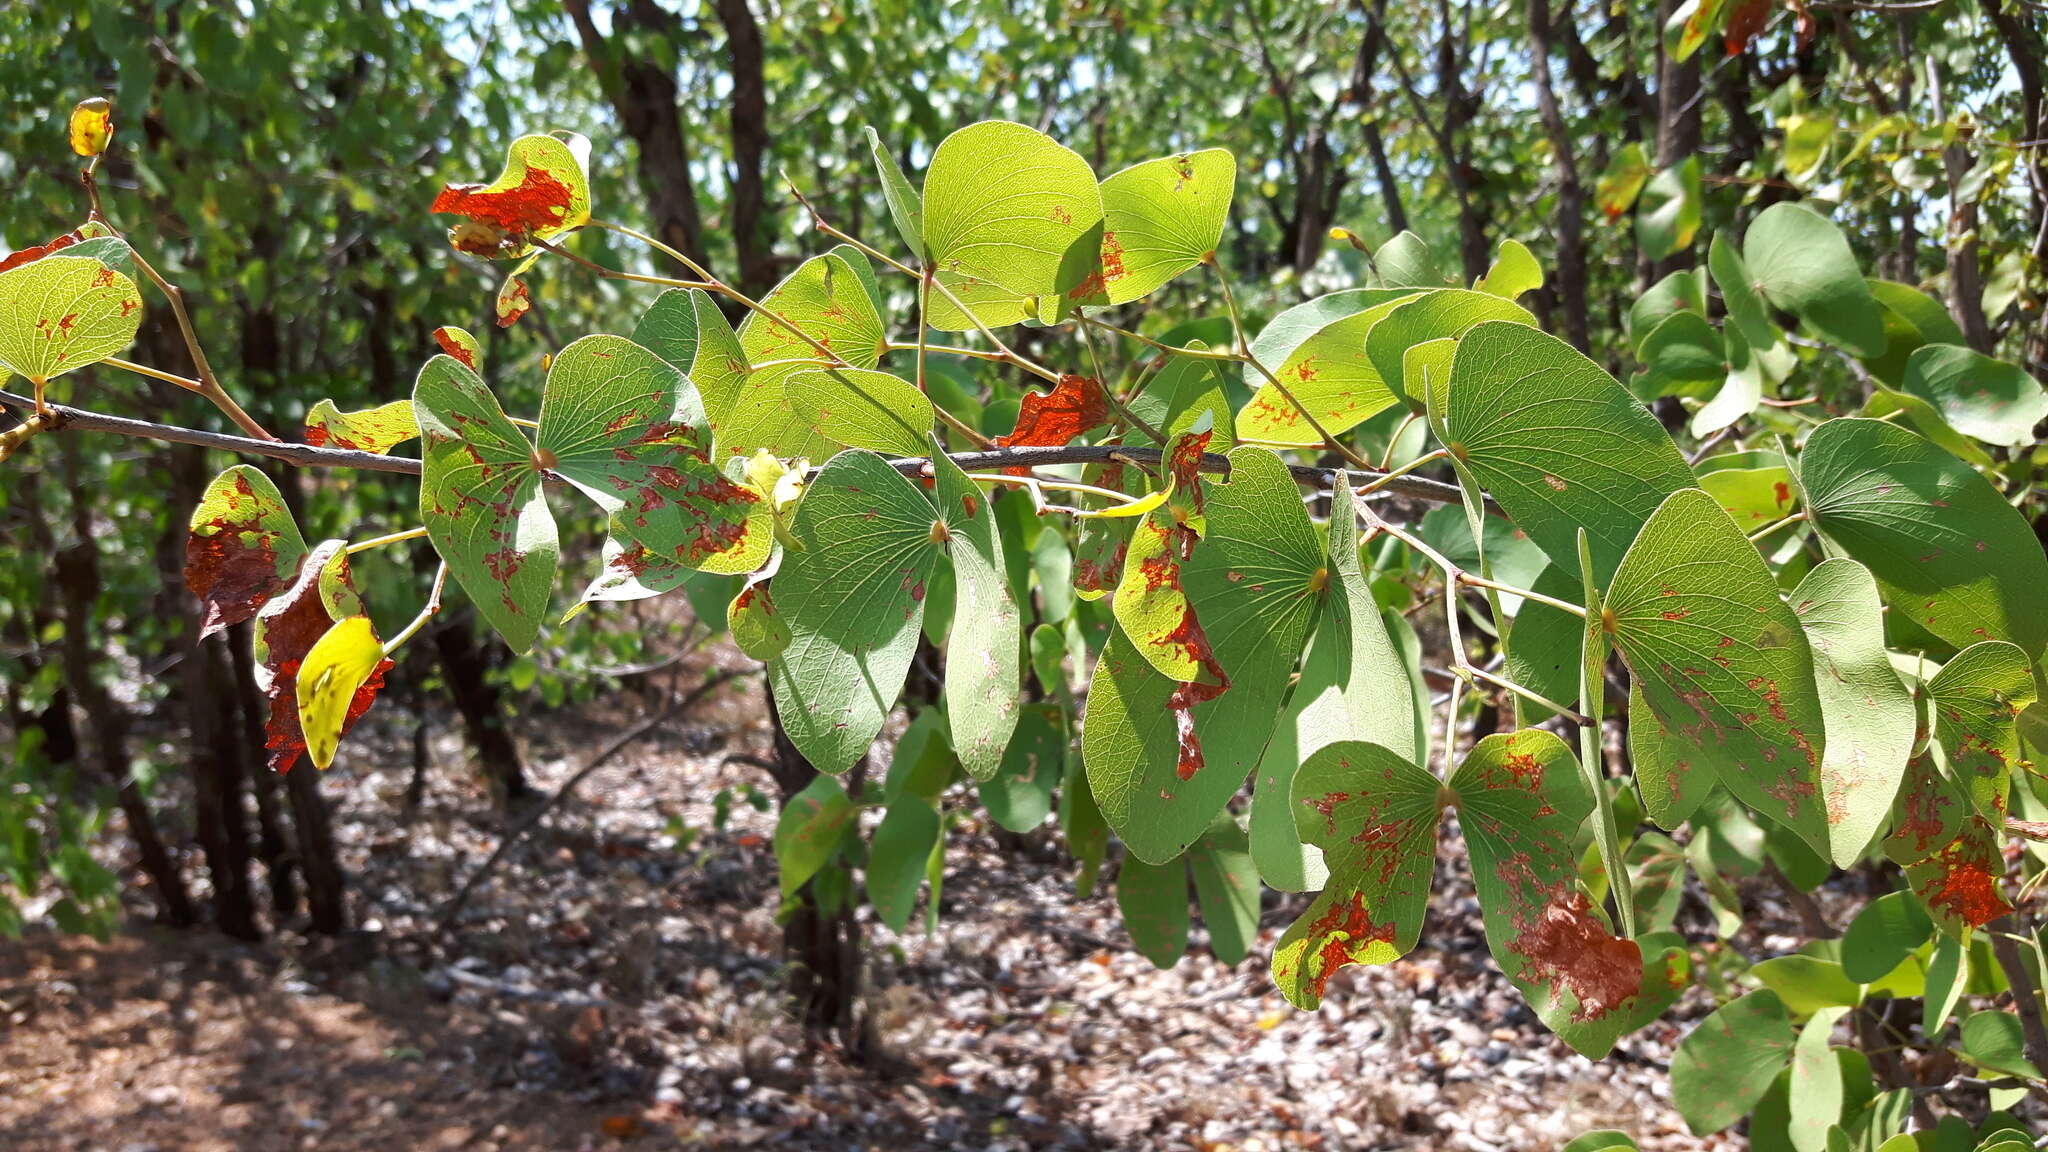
{"type": "Point", "coordinates": [286, 630]}
{"type": "Point", "coordinates": [1004, 203]}
{"type": "Point", "coordinates": [827, 300]}
{"type": "Point", "coordinates": [905, 208]}
{"type": "Point", "coordinates": [1799, 261]}
{"type": "Point", "coordinates": [91, 126]}
{"type": "Point", "coordinates": [1327, 372]}
{"type": "Point", "coordinates": [328, 680]}
{"type": "Point", "coordinates": [861, 408]}
{"type": "Point", "coordinates": [481, 501]}
{"type": "Point", "coordinates": [378, 429]}
{"type": "Point", "coordinates": [1185, 389]}
{"type": "Point", "coordinates": [1668, 214]}
{"type": "Point", "coordinates": [1868, 714]}
{"type": "Point", "coordinates": [243, 547]}
{"type": "Point", "coordinates": [1722, 661]}
{"type": "Point", "coordinates": [1992, 400]}
{"type": "Point", "coordinates": [983, 671]}
{"type": "Point", "coordinates": [62, 313]}
{"type": "Point", "coordinates": [1446, 312]}
{"type": "Point", "coordinates": [457, 342]}
{"type": "Point", "coordinates": [1160, 218]}
{"type": "Point", "coordinates": [1514, 272]}
{"type": "Point", "coordinates": [1623, 181]}
{"type": "Point", "coordinates": [542, 193]}
{"type": "Point", "coordinates": [1948, 552]}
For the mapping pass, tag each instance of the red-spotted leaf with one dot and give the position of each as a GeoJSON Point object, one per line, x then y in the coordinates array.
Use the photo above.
{"type": "Point", "coordinates": [481, 500]}
{"type": "Point", "coordinates": [457, 342]}
{"type": "Point", "coordinates": [329, 680]}
{"type": "Point", "coordinates": [828, 299]}
{"type": "Point", "coordinates": [1374, 815]}
{"type": "Point", "coordinates": [1152, 603]}
{"type": "Point", "coordinates": [1869, 715]}
{"type": "Point", "coordinates": [853, 598]}
{"type": "Point", "coordinates": [244, 548]}
{"type": "Point", "coordinates": [1053, 418]}
{"type": "Point", "coordinates": [1618, 186]}
{"type": "Point", "coordinates": [1948, 552]}
{"type": "Point", "coordinates": [378, 429]}
{"type": "Point", "coordinates": [1160, 218]}
{"type": "Point", "coordinates": [542, 193]}
{"type": "Point", "coordinates": [984, 673]}
{"type": "Point", "coordinates": [62, 313]}
{"type": "Point", "coordinates": [1004, 204]}
{"type": "Point", "coordinates": [622, 425]}
{"type": "Point", "coordinates": [1976, 699]}
{"type": "Point", "coordinates": [1722, 661]}
{"type": "Point", "coordinates": [1521, 798]}
{"type": "Point", "coordinates": [1161, 765]}
{"type": "Point", "coordinates": [1951, 854]}
{"type": "Point", "coordinates": [514, 299]}
{"type": "Point", "coordinates": [287, 628]}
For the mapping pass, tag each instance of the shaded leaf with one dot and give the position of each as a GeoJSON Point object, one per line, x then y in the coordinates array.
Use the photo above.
{"type": "Point", "coordinates": [984, 673]}
{"type": "Point", "coordinates": [1727, 1063]}
{"type": "Point", "coordinates": [1799, 261]}
{"type": "Point", "coordinates": [1976, 700]}
{"type": "Point", "coordinates": [897, 859]}
{"type": "Point", "coordinates": [1992, 400]}
{"type": "Point", "coordinates": [1668, 214]}
{"type": "Point", "coordinates": [1868, 714]}
{"type": "Point", "coordinates": [808, 831]}
{"type": "Point", "coordinates": [1883, 935]}
{"type": "Point", "coordinates": [1622, 181]}
{"type": "Point", "coordinates": [243, 548]}
{"type": "Point", "coordinates": [1226, 888]}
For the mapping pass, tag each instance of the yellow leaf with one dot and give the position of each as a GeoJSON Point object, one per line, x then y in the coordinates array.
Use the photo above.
{"type": "Point", "coordinates": [328, 679]}
{"type": "Point", "coordinates": [92, 126]}
{"type": "Point", "coordinates": [1137, 507]}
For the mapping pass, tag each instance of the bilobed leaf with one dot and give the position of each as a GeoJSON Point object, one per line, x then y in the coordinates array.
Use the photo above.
{"type": "Point", "coordinates": [1950, 853]}
{"type": "Point", "coordinates": [1746, 310]}
{"type": "Point", "coordinates": [1976, 700]}
{"type": "Point", "coordinates": [1277, 341]}
{"type": "Point", "coordinates": [1374, 815]}
{"type": "Point", "coordinates": [1672, 781]}
{"type": "Point", "coordinates": [1948, 552]}
{"type": "Point", "coordinates": [1722, 660]}
{"type": "Point", "coordinates": [757, 628]}
{"type": "Point", "coordinates": [62, 313]}
{"type": "Point", "coordinates": [862, 408]}
{"type": "Point", "coordinates": [457, 342]}
{"type": "Point", "coordinates": [1992, 400]}
{"type": "Point", "coordinates": [1799, 261]}
{"type": "Point", "coordinates": [515, 297]}
{"type": "Point", "coordinates": [1912, 320]}
{"type": "Point", "coordinates": [1881, 937]}
{"type": "Point", "coordinates": [984, 673]}
{"type": "Point", "coordinates": [1435, 315]}
{"type": "Point", "coordinates": [990, 304]}
{"type": "Point", "coordinates": [1019, 795]}
{"type": "Point", "coordinates": [1154, 901]}
{"type": "Point", "coordinates": [808, 831]}
{"type": "Point", "coordinates": [481, 501]}
{"type": "Point", "coordinates": [1074, 406]}
{"type": "Point", "coordinates": [1807, 137]}
{"type": "Point", "coordinates": [1004, 203]}
{"type": "Point", "coordinates": [1352, 687]}
{"type": "Point", "coordinates": [243, 547]}
{"type": "Point", "coordinates": [1623, 181]}
{"type": "Point", "coordinates": [1868, 714]}
{"type": "Point", "coordinates": [1668, 215]}
{"type": "Point", "coordinates": [1816, 1089]}
{"type": "Point", "coordinates": [719, 366]}
{"type": "Point", "coordinates": [378, 429]}
{"type": "Point", "coordinates": [1226, 888]}
{"type": "Point", "coordinates": [1406, 262]}
{"type": "Point", "coordinates": [1160, 218]}
{"type": "Point", "coordinates": [1329, 374]}
{"type": "Point", "coordinates": [1679, 292]}
{"type": "Point", "coordinates": [1741, 390]}
{"type": "Point", "coordinates": [1551, 437]}
{"type": "Point", "coordinates": [1521, 798]}
{"type": "Point", "coordinates": [1252, 583]}
{"type": "Point", "coordinates": [1993, 1040]}
{"type": "Point", "coordinates": [1514, 272]}
{"type": "Point", "coordinates": [1152, 604]}
{"type": "Point", "coordinates": [333, 672]}
{"type": "Point", "coordinates": [1754, 488]}
{"type": "Point", "coordinates": [905, 208]}
{"type": "Point", "coordinates": [1082, 825]}
{"type": "Point", "coordinates": [1726, 1064]}
{"type": "Point", "coordinates": [1690, 26]}
{"type": "Point", "coordinates": [542, 193]}
{"type": "Point", "coordinates": [669, 327]}
{"type": "Point", "coordinates": [287, 628]}
{"type": "Point", "coordinates": [1683, 356]}
{"type": "Point", "coordinates": [853, 598]}
{"type": "Point", "coordinates": [1184, 389]}
{"type": "Point", "coordinates": [897, 859]}
{"type": "Point", "coordinates": [828, 300]}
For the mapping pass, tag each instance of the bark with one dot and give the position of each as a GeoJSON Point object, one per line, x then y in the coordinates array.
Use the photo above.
{"type": "Point", "coordinates": [748, 207]}
{"type": "Point", "coordinates": [1678, 126]}
{"type": "Point", "coordinates": [218, 771]}
{"type": "Point", "coordinates": [1570, 217]}
{"type": "Point", "coordinates": [273, 844]}
{"type": "Point", "coordinates": [483, 712]}
{"type": "Point", "coordinates": [2025, 47]}
{"type": "Point", "coordinates": [326, 883]}
{"type": "Point", "coordinates": [1965, 271]}
{"type": "Point", "coordinates": [1460, 105]}
{"type": "Point", "coordinates": [645, 97]}
{"type": "Point", "coordinates": [823, 952]}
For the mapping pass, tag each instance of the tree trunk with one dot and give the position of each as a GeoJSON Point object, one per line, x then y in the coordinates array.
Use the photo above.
{"type": "Point", "coordinates": [483, 713]}
{"type": "Point", "coordinates": [273, 846]}
{"type": "Point", "coordinates": [218, 769]}
{"type": "Point", "coordinates": [823, 952]}
{"type": "Point", "coordinates": [326, 884]}
{"type": "Point", "coordinates": [747, 207]}
{"type": "Point", "coordinates": [1570, 217]}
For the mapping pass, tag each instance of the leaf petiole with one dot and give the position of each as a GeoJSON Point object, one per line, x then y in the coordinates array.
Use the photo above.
{"type": "Point", "coordinates": [433, 608]}
{"type": "Point", "coordinates": [380, 541]}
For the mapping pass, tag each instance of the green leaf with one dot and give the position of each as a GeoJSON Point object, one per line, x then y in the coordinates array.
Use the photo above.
{"type": "Point", "coordinates": [1251, 582]}
{"type": "Point", "coordinates": [897, 859]}
{"type": "Point", "coordinates": [1992, 400]}
{"type": "Point", "coordinates": [1082, 825]}
{"type": "Point", "coordinates": [1316, 351]}
{"type": "Point", "coordinates": [1754, 488]}
{"type": "Point", "coordinates": [1161, 218]}
{"type": "Point", "coordinates": [1722, 661]}
{"type": "Point", "coordinates": [1746, 310]}
{"type": "Point", "coordinates": [669, 327]}
{"type": "Point", "coordinates": [1883, 935]}
{"type": "Point", "coordinates": [1808, 984]}
{"type": "Point", "coordinates": [1683, 356]}
{"type": "Point", "coordinates": [1446, 312]}
{"type": "Point", "coordinates": [1690, 26]}
{"type": "Point", "coordinates": [984, 670]}
{"type": "Point", "coordinates": [757, 628]}
{"type": "Point", "coordinates": [1551, 437]}
{"type": "Point", "coordinates": [861, 408]}
{"type": "Point", "coordinates": [1678, 292]}
{"type": "Point", "coordinates": [1912, 319]}
{"type": "Point", "coordinates": [1673, 783]}
{"type": "Point", "coordinates": [1948, 977]}
{"type": "Point", "coordinates": [1816, 1089]}
{"type": "Point", "coordinates": [1948, 552]}
{"type": "Point", "coordinates": [62, 313]}
{"type": "Point", "coordinates": [1352, 687]}
{"type": "Point", "coordinates": [719, 368]}
{"type": "Point", "coordinates": [1992, 1040]}
{"type": "Point", "coordinates": [828, 300]}
{"type": "Point", "coordinates": [808, 831]}
{"type": "Point", "coordinates": [1226, 888]}
{"type": "Point", "coordinates": [1406, 262]}
{"type": "Point", "coordinates": [376, 430]}
{"type": "Point", "coordinates": [243, 547]}
{"type": "Point", "coordinates": [1668, 215]}
{"type": "Point", "coordinates": [1543, 647]}
{"type": "Point", "coordinates": [1868, 715]}
{"type": "Point", "coordinates": [1019, 796]}
{"type": "Point", "coordinates": [1623, 180]}
{"type": "Point", "coordinates": [1727, 1063]}
{"type": "Point", "coordinates": [1003, 203]}
{"type": "Point", "coordinates": [1183, 391]}
{"type": "Point", "coordinates": [1807, 138]}
{"type": "Point", "coordinates": [904, 206]}
{"type": "Point", "coordinates": [1976, 700]}
{"type": "Point", "coordinates": [1374, 815]}
{"type": "Point", "coordinates": [854, 602]}
{"type": "Point", "coordinates": [1521, 798]}
{"type": "Point", "coordinates": [1601, 1141]}
{"type": "Point", "coordinates": [1514, 272]}
{"type": "Point", "coordinates": [1154, 901]}
{"type": "Point", "coordinates": [1799, 261]}
{"type": "Point", "coordinates": [481, 501]}
{"type": "Point", "coordinates": [923, 764]}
